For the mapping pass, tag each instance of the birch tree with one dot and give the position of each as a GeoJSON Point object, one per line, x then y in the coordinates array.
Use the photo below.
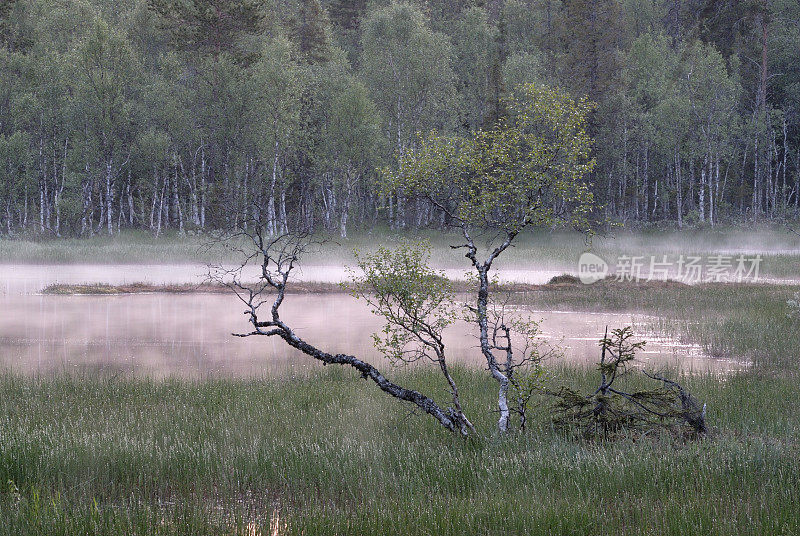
{"type": "Point", "coordinates": [528, 171]}
{"type": "Point", "coordinates": [407, 68]}
{"type": "Point", "coordinates": [106, 70]}
{"type": "Point", "coordinates": [396, 284]}
{"type": "Point", "coordinates": [276, 87]}
{"type": "Point", "coordinates": [351, 141]}
{"type": "Point", "coordinates": [418, 304]}
{"type": "Point", "coordinates": [713, 97]}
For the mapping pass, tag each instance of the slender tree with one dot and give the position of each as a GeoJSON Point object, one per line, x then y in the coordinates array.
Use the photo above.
{"type": "Point", "coordinates": [527, 171]}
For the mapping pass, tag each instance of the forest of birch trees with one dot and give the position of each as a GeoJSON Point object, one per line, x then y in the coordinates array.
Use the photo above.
{"type": "Point", "coordinates": [182, 115]}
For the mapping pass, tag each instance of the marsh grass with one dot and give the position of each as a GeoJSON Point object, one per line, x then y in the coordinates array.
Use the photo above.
{"type": "Point", "coordinates": [739, 321]}
{"type": "Point", "coordinates": [332, 455]}
{"type": "Point", "coordinates": [543, 250]}
{"type": "Point", "coordinates": [103, 289]}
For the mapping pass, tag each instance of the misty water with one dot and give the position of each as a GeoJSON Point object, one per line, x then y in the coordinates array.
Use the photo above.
{"type": "Point", "coordinates": [190, 335]}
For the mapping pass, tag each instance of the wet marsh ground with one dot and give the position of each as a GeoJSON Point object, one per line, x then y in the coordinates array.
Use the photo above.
{"type": "Point", "coordinates": [332, 455]}
{"type": "Point", "coordinates": [325, 453]}
{"type": "Point", "coordinates": [740, 321]}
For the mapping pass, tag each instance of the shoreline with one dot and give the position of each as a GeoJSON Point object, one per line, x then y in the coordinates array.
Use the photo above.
{"type": "Point", "coordinates": [563, 282]}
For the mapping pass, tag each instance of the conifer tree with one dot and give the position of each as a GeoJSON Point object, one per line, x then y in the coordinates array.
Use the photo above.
{"type": "Point", "coordinates": [209, 26]}
{"type": "Point", "coordinates": [591, 37]}
{"type": "Point", "coordinates": [310, 31]}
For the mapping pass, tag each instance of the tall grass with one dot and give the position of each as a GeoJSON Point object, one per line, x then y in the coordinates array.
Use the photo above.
{"type": "Point", "coordinates": [330, 454]}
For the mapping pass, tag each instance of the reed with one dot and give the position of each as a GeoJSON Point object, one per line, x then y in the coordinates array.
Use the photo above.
{"type": "Point", "coordinates": [326, 455]}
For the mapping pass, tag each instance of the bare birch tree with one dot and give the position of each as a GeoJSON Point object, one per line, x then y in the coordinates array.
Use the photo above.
{"type": "Point", "coordinates": [515, 339]}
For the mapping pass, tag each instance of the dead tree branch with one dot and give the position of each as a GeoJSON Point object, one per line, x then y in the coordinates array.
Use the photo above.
{"type": "Point", "coordinates": [609, 410]}
{"type": "Point", "coordinates": [275, 259]}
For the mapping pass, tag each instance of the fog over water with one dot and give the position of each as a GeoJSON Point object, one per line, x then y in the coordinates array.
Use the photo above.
{"type": "Point", "coordinates": [31, 279]}
{"type": "Point", "coordinates": [190, 335]}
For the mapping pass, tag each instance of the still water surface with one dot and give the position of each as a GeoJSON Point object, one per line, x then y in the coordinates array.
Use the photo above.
{"type": "Point", "coordinates": [190, 335]}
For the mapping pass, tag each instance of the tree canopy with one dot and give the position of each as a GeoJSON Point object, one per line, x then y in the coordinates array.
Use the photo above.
{"type": "Point", "coordinates": [529, 169]}
{"type": "Point", "coordinates": [184, 114]}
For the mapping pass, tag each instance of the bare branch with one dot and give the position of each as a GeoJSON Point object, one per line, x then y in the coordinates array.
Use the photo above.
{"type": "Point", "coordinates": [275, 258]}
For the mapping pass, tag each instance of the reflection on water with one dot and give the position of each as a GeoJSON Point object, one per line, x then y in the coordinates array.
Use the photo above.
{"type": "Point", "coordinates": [190, 334]}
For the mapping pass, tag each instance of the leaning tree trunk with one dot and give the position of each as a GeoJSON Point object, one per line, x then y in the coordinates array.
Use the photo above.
{"type": "Point", "coordinates": [285, 260]}
{"type": "Point", "coordinates": [426, 404]}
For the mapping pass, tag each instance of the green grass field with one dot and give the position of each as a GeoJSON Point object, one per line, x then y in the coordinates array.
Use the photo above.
{"type": "Point", "coordinates": [330, 455]}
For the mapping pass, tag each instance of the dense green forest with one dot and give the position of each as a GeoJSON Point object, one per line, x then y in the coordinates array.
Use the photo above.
{"type": "Point", "coordinates": [180, 114]}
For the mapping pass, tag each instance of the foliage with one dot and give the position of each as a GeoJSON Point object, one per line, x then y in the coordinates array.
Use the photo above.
{"type": "Point", "coordinates": [209, 26]}
{"type": "Point", "coordinates": [530, 169]}
{"type": "Point", "coordinates": [417, 302]}
{"type": "Point", "coordinates": [527, 171]}
{"type": "Point", "coordinates": [474, 60]}
{"type": "Point", "coordinates": [157, 114]}
{"type": "Point", "coordinates": [406, 65]}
